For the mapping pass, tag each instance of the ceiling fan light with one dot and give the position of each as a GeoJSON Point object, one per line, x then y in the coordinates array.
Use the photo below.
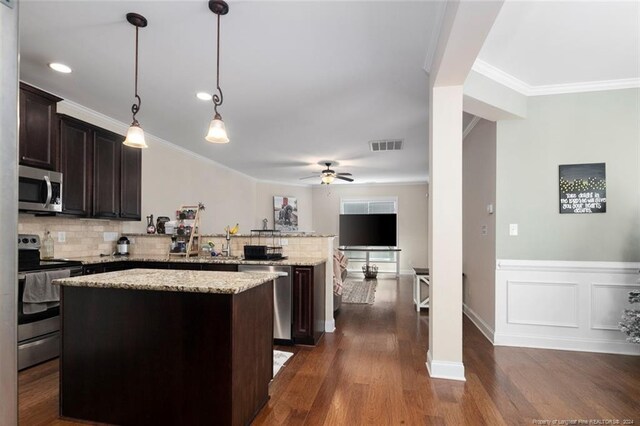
{"type": "Point", "coordinates": [327, 179]}
{"type": "Point", "coordinates": [135, 137]}
{"type": "Point", "coordinates": [217, 132]}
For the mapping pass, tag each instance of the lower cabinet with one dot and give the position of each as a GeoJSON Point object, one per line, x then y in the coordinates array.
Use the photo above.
{"type": "Point", "coordinates": [308, 291]}
{"type": "Point", "coordinates": [308, 304]}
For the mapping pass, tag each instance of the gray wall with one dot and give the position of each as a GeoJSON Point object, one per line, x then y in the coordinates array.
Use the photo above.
{"type": "Point", "coordinates": [8, 214]}
{"type": "Point", "coordinates": [570, 129]}
{"type": "Point", "coordinates": [478, 191]}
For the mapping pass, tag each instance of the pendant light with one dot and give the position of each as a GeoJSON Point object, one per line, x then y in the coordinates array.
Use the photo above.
{"type": "Point", "coordinates": [135, 134]}
{"type": "Point", "coordinates": [217, 132]}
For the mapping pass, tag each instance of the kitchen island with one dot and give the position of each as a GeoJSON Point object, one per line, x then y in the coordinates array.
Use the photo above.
{"type": "Point", "coordinates": [146, 346]}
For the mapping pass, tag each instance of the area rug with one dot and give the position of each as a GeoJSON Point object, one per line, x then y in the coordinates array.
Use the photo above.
{"type": "Point", "coordinates": [359, 291]}
{"type": "Point", "coordinates": [279, 359]}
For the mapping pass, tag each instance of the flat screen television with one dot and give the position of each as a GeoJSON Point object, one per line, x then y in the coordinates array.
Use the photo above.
{"type": "Point", "coordinates": [368, 230]}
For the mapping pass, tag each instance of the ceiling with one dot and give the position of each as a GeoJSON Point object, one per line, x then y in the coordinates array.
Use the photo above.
{"type": "Point", "coordinates": [302, 81]}
{"type": "Point", "coordinates": [552, 43]}
{"type": "Point", "coordinates": [305, 81]}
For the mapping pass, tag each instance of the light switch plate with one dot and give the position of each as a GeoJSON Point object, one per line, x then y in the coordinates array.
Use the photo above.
{"type": "Point", "coordinates": [513, 229]}
{"type": "Point", "coordinates": [62, 236]}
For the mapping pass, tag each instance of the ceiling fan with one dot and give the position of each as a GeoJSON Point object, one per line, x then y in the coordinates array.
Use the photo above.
{"type": "Point", "coordinates": [327, 175]}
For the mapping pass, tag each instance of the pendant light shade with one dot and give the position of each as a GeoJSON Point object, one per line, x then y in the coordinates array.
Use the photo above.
{"type": "Point", "coordinates": [135, 134]}
{"type": "Point", "coordinates": [135, 137]}
{"type": "Point", "coordinates": [217, 132]}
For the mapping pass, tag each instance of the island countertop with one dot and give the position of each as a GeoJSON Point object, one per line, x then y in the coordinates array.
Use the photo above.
{"type": "Point", "coordinates": [172, 280]}
{"type": "Point", "coordinates": [289, 261]}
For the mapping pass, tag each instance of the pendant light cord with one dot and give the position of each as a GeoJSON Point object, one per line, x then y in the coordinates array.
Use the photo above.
{"type": "Point", "coordinates": [136, 107]}
{"type": "Point", "coordinates": [217, 100]}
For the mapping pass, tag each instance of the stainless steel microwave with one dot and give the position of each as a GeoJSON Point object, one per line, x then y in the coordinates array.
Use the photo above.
{"type": "Point", "coordinates": [39, 190]}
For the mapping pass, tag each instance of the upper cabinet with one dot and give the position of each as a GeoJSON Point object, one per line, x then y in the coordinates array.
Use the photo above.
{"type": "Point", "coordinates": [76, 157]}
{"type": "Point", "coordinates": [38, 128]}
{"type": "Point", "coordinates": [102, 177]}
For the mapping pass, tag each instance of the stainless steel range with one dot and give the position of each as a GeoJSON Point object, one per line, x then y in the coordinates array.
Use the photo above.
{"type": "Point", "coordinates": [38, 323]}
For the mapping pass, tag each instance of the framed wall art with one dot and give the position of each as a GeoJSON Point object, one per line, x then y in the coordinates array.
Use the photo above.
{"type": "Point", "coordinates": [583, 188]}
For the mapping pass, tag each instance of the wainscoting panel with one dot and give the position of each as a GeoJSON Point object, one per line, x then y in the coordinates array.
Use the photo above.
{"type": "Point", "coordinates": [606, 302]}
{"type": "Point", "coordinates": [564, 305]}
{"type": "Point", "coordinates": [542, 303]}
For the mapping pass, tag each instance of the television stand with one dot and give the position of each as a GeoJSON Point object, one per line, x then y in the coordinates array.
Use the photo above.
{"type": "Point", "coordinates": [372, 249]}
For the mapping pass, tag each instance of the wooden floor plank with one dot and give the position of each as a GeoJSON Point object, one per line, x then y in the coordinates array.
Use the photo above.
{"type": "Point", "coordinates": [372, 371]}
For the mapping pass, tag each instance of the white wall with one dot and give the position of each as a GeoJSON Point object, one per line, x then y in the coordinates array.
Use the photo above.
{"type": "Point", "coordinates": [264, 203]}
{"type": "Point", "coordinates": [412, 215]}
{"type": "Point", "coordinates": [479, 226]}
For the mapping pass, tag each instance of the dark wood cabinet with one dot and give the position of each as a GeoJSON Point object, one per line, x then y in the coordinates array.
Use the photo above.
{"type": "Point", "coordinates": [38, 128]}
{"type": "Point", "coordinates": [308, 304]}
{"type": "Point", "coordinates": [102, 177]}
{"type": "Point", "coordinates": [130, 183]}
{"type": "Point", "coordinates": [106, 174]}
{"type": "Point", "coordinates": [76, 155]}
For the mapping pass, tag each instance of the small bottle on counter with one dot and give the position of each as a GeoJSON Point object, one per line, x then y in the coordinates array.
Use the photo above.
{"type": "Point", "coordinates": [47, 246]}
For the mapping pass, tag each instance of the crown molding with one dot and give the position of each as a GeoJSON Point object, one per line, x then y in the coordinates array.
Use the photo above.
{"type": "Point", "coordinates": [435, 36]}
{"type": "Point", "coordinates": [507, 80]}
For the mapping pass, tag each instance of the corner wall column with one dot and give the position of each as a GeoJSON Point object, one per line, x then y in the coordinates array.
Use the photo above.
{"type": "Point", "coordinates": [444, 357]}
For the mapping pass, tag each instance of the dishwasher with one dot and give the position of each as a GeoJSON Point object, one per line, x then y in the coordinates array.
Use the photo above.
{"type": "Point", "coordinates": [282, 300]}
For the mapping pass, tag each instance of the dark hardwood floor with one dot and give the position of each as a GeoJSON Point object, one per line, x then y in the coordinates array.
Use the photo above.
{"type": "Point", "coordinates": [372, 371]}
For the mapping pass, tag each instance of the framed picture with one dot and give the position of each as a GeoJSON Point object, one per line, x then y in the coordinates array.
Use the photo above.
{"type": "Point", "coordinates": [583, 188]}
{"type": "Point", "coordinates": [285, 213]}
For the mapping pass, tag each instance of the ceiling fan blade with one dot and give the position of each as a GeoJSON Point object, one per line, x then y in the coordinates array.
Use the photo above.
{"type": "Point", "coordinates": [344, 178]}
{"type": "Point", "coordinates": [309, 177]}
{"type": "Point", "coordinates": [344, 174]}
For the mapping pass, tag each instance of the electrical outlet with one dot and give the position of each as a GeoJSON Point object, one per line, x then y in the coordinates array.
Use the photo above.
{"type": "Point", "coordinates": [62, 236]}
{"type": "Point", "coordinates": [284, 242]}
{"type": "Point", "coordinates": [110, 236]}
{"type": "Point", "coordinates": [513, 229]}
{"type": "Point", "coordinates": [484, 230]}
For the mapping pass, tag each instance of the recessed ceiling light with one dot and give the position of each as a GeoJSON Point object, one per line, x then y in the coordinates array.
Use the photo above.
{"type": "Point", "coordinates": [204, 96]}
{"type": "Point", "coordinates": [56, 66]}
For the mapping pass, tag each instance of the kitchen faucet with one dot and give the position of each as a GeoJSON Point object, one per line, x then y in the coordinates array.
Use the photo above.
{"type": "Point", "coordinates": [226, 250]}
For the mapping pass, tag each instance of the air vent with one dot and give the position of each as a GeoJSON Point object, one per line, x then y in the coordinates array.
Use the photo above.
{"type": "Point", "coordinates": [386, 145]}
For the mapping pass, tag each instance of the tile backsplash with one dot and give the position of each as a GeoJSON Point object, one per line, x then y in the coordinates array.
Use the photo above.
{"type": "Point", "coordinates": [83, 237]}
{"type": "Point", "coordinates": [88, 237]}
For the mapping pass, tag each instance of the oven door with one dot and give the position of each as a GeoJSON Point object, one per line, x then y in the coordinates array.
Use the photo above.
{"type": "Point", "coordinates": [39, 190]}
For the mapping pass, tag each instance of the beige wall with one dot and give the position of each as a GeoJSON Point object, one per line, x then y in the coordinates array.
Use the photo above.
{"type": "Point", "coordinates": [412, 215]}
{"type": "Point", "coordinates": [264, 203]}
{"type": "Point", "coordinates": [479, 246]}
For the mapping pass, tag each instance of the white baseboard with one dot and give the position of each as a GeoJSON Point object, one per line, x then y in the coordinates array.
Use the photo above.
{"type": "Point", "coordinates": [330, 326]}
{"type": "Point", "coordinates": [479, 323]}
{"type": "Point", "coordinates": [445, 369]}
{"type": "Point", "coordinates": [566, 344]}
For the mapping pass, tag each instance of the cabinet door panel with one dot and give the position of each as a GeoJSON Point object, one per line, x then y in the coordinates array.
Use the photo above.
{"type": "Point", "coordinates": [131, 183]}
{"type": "Point", "coordinates": [75, 164]}
{"type": "Point", "coordinates": [38, 128]}
{"type": "Point", "coordinates": [106, 174]}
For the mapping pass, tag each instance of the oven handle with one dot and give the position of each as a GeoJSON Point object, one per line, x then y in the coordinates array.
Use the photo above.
{"type": "Point", "coordinates": [49, 190]}
{"type": "Point", "coordinates": [73, 272]}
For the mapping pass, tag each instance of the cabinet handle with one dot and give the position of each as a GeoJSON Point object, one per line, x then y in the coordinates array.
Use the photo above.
{"type": "Point", "coordinates": [24, 157]}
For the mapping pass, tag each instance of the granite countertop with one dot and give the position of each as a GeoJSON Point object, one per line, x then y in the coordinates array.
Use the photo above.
{"type": "Point", "coordinates": [281, 235]}
{"type": "Point", "coordinates": [172, 280]}
{"type": "Point", "coordinates": [290, 261]}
